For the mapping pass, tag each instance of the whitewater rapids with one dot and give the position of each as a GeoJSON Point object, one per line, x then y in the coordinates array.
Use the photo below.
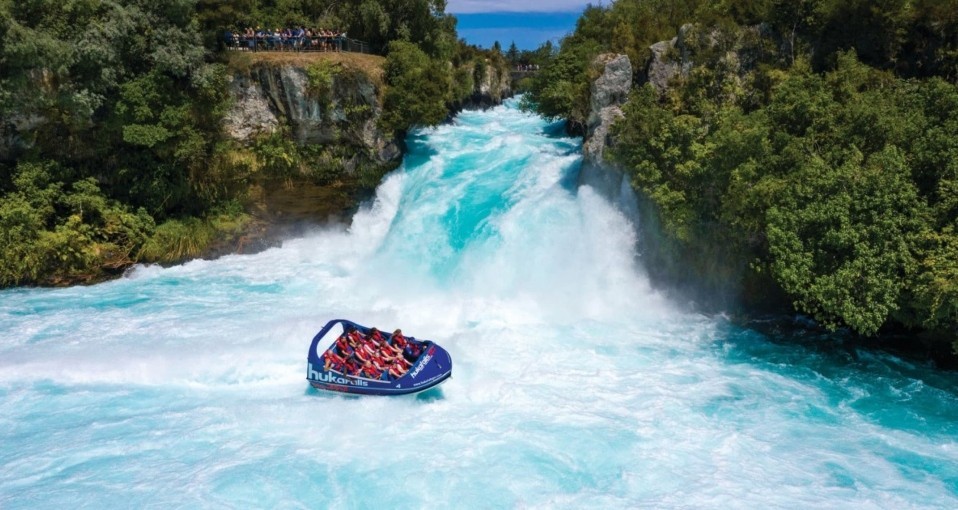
{"type": "Point", "coordinates": [576, 384]}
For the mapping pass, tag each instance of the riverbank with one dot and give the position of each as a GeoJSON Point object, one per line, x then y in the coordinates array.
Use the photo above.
{"type": "Point", "coordinates": [280, 211]}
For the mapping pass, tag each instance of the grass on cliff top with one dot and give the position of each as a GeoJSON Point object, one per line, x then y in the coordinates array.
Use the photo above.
{"type": "Point", "coordinates": [371, 65]}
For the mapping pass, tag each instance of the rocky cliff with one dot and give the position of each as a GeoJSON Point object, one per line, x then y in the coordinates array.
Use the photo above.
{"type": "Point", "coordinates": [607, 95]}
{"type": "Point", "coordinates": [492, 87]}
{"type": "Point", "coordinates": [339, 105]}
{"type": "Point", "coordinates": [711, 280]}
{"type": "Point", "coordinates": [729, 53]}
{"type": "Point", "coordinates": [332, 103]}
{"type": "Point", "coordinates": [329, 106]}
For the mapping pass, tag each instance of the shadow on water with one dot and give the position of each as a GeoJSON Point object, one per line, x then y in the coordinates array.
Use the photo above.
{"type": "Point", "coordinates": [430, 395]}
{"type": "Point", "coordinates": [417, 142]}
{"type": "Point", "coordinates": [555, 129]}
{"type": "Point", "coordinates": [892, 390]}
{"type": "Point", "coordinates": [329, 395]}
{"type": "Point", "coordinates": [570, 181]}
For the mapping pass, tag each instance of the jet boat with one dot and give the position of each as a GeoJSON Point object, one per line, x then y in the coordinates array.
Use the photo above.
{"type": "Point", "coordinates": [430, 367]}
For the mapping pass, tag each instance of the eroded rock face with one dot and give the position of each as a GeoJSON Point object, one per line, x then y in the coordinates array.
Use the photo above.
{"type": "Point", "coordinates": [669, 60]}
{"type": "Point", "coordinates": [16, 134]}
{"type": "Point", "coordinates": [250, 113]}
{"type": "Point", "coordinates": [271, 97]}
{"type": "Point", "coordinates": [490, 90]}
{"type": "Point", "coordinates": [608, 93]}
{"type": "Point", "coordinates": [730, 53]}
{"type": "Point", "coordinates": [495, 84]}
{"type": "Point", "coordinates": [613, 85]}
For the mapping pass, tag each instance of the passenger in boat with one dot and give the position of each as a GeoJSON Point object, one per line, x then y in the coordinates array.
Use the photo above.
{"type": "Point", "coordinates": [412, 350]}
{"type": "Point", "coordinates": [334, 360]}
{"type": "Point", "coordinates": [382, 365]}
{"type": "Point", "coordinates": [382, 362]}
{"type": "Point", "coordinates": [353, 367]}
{"type": "Point", "coordinates": [397, 359]}
{"type": "Point", "coordinates": [391, 351]}
{"type": "Point", "coordinates": [355, 346]}
{"type": "Point", "coordinates": [371, 371]}
{"type": "Point", "coordinates": [396, 371]}
{"type": "Point", "coordinates": [397, 342]}
{"type": "Point", "coordinates": [363, 354]}
{"type": "Point", "coordinates": [370, 346]}
{"type": "Point", "coordinates": [342, 345]}
{"type": "Point", "coordinates": [376, 336]}
{"type": "Point", "coordinates": [355, 337]}
{"type": "Point", "coordinates": [385, 350]}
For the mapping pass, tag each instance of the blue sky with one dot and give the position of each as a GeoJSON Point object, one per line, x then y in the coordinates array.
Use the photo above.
{"type": "Point", "coordinates": [529, 23]}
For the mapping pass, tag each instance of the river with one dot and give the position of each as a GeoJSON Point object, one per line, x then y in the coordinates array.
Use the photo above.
{"type": "Point", "coordinates": [575, 383]}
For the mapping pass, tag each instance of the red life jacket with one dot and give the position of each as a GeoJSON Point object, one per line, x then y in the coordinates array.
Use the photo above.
{"type": "Point", "coordinates": [363, 354]}
{"type": "Point", "coordinates": [399, 341]}
{"type": "Point", "coordinates": [352, 368]}
{"type": "Point", "coordinates": [379, 362]}
{"type": "Point", "coordinates": [369, 347]}
{"type": "Point", "coordinates": [371, 371]}
{"type": "Point", "coordinates": [333, 358]}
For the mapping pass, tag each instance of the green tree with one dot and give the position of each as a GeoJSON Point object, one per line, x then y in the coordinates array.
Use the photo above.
{"type": "Point", "coordinates": [845, 264]}
{"type": "Point", "coordinates": [512, 54]}
{"type": "Point", "coordinates": [417, 88]}
{"type": "Point", "coordinates": [561, 89]}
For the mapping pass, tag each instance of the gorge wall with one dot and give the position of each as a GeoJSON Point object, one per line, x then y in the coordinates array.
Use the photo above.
{"type": "Point", "coordinates": [340, 106]}
{"type": "Point", "coordinates": [329, 107]}
{"type": "Point", "coordinates": [607, 95]}
{"type": "Point", "coordinates": [491, 84]}
{"type": "Point", "coordinates": [711, 278]}
{"type": "Point", "coordinates": [335, 103]}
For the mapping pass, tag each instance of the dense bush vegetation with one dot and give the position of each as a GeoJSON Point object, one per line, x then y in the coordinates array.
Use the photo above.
{"type": "Point", "coordinates": [419, 88]}
{"type": "Point", "coordinates": [111, 148]}
{"type": "Point", "coordinates": [826, 161]}
{"type": "Point", "coordinates": [116, 109]}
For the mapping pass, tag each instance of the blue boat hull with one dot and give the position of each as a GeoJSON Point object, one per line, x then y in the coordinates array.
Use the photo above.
{"type": "Point", "coordinates": [429, 370]}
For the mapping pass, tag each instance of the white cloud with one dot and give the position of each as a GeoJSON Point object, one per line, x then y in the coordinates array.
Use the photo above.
{"type": "Point", "coordinates": [474, 6]}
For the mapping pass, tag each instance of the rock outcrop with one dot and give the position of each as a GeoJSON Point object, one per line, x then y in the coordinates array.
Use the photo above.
{"type": "Point", "coordinates": [269, 97]}
{"type": "Point", "coordinates": [491, 86]}
{"type": "Point", "coordinates": [730, 53]}
{"type": "Point", "coordinates": [16, 134]}
{"type": "Point", "coordinates": [495, 85]}
{"type": "Point", "coordinates": [607, 95]}
{"type": "Point", "coordinates": [713, 279]}
{"type": "Point", "coordinates": [669, 60]}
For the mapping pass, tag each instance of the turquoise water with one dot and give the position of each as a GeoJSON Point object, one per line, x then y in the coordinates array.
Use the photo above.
{"type": "Point", "coordinates": [576, 384]}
